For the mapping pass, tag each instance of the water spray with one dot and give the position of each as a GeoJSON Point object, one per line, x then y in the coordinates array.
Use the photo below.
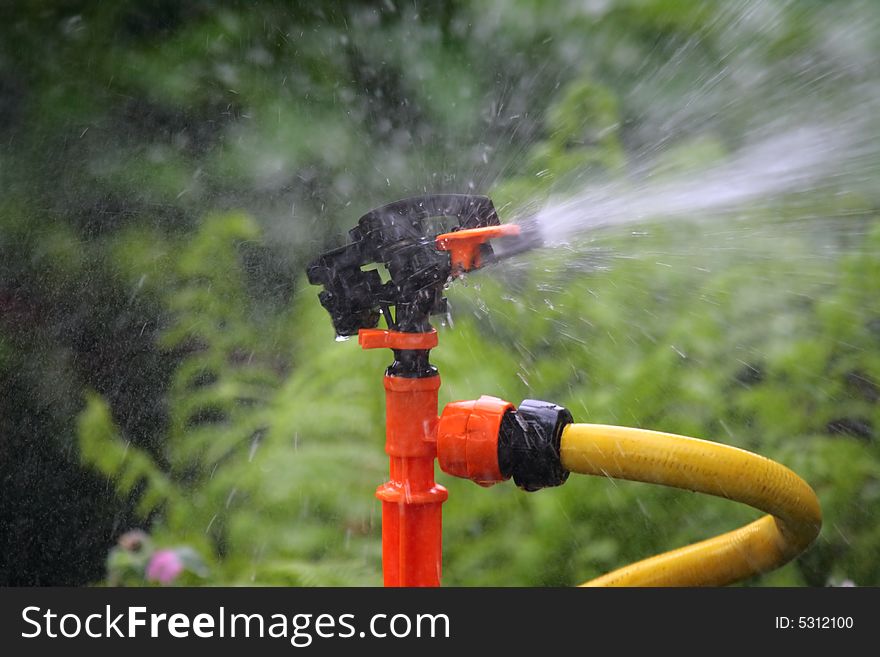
{"type": "Point", "coordinates": [423, 244]}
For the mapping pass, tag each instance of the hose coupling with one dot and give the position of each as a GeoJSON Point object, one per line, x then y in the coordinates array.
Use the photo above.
{"type": "Point", "coordinates": [488, 441]}
{"type": "Point", "coordinates": [529, 445]}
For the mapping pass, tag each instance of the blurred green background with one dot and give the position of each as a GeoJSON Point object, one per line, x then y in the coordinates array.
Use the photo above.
{"type": "Point", "coordinates": [167, 169]}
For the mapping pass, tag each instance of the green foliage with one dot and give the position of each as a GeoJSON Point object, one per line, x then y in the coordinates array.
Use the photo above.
{"type": "Point", "coordinates": [234, 470]}
{"type": "Point", "coordinates": [102, 448]}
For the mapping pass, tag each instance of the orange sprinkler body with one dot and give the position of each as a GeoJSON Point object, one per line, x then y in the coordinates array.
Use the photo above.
{"type": "Point", "coordinates": [411, 499]}
{"type": "Point", "coordinates": [417, 264]}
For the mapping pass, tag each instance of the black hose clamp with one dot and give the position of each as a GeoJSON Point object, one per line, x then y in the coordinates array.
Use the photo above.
{"type": "Point", "coordinates": [529, 444]}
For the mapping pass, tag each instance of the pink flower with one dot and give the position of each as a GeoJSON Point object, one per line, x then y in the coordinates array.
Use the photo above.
{"type": "Point", "coordinates": [164, 566]}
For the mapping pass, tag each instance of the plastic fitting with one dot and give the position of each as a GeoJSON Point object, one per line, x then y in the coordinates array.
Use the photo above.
{"type": "Point", "coordinates": [467, 439]}
{"type": "Point", "coordinates": [488, 441]}
{"type": "Point", "coordinates": [529, 445]}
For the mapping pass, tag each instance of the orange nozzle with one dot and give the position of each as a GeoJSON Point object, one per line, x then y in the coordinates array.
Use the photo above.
{"type": "Point", "coordinates": [464, 245]}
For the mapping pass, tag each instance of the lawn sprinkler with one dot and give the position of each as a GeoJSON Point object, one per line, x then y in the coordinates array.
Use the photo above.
{"type": "Point", "coordinates": [425, 242]}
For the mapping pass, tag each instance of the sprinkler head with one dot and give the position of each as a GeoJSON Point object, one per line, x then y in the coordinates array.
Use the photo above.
{"type": "Point", "coordinates": [421, 243]}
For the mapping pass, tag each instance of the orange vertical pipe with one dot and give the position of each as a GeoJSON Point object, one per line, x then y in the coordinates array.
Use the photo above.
{"type": "Point", "coordinates": [411, 499]}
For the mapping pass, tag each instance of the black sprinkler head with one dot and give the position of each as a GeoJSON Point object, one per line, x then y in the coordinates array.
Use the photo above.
{"type": "Point", "coordinates": [416, 240]}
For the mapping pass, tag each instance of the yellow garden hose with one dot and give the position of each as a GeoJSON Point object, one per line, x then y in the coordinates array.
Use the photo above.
{"type": "Point", "coordinates": [705, 467]}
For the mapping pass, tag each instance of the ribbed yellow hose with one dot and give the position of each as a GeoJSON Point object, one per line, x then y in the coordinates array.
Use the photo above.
{"type": "Point", "coordinates": [705, 467]}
